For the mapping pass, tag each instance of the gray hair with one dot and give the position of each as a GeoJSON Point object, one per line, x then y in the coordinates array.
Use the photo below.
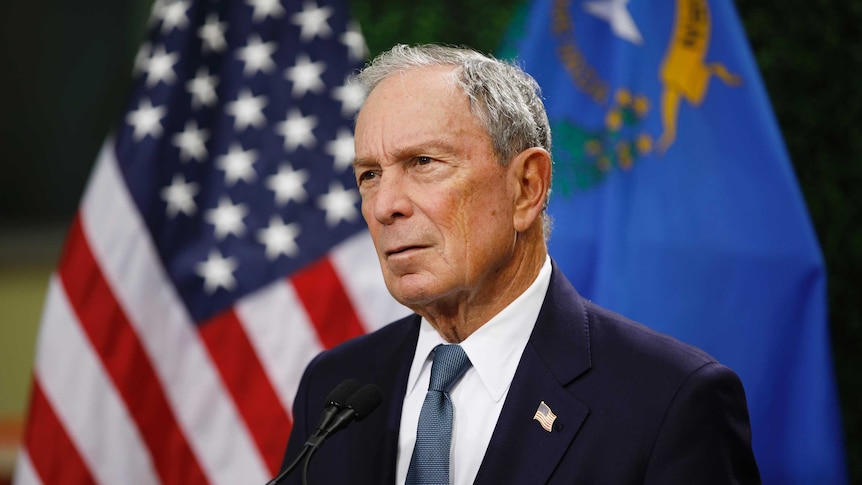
{"type": "Point", "coordinates": [505, 99]}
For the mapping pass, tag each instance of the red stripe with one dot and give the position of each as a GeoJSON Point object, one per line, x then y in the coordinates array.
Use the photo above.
{"type": "Point", "coordinates": [246, 380]}
{"type": "Point", "coordinates": [53, 455]}
{"type": "Point", "coordinates": [124, 358]}
{"type": "Point", "coordinates": [326, 303]}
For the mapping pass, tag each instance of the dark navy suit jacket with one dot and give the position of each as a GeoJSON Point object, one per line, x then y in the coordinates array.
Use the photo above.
{"type": "Point", "coordinates": [633, 406]}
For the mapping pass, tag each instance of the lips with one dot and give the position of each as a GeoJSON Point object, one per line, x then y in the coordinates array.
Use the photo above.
{"type": "Point", "coordinates": [402, 249]}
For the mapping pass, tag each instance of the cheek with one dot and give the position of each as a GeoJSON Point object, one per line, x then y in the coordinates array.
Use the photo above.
{"type": "Point", "coordinates": [485, 218]}
{"type": "Point", "coordinates": [490, 202]}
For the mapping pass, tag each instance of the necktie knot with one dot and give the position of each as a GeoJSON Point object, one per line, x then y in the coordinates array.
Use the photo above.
{"type": "Point", "coordinates": [450, 363]}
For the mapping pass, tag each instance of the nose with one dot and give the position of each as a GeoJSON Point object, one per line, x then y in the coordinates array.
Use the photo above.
{"type": "Point", "coordinates": [391, 200]}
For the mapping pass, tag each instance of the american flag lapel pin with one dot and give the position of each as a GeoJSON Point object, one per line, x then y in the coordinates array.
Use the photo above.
{"type": "Point", "coordinates": [545, 416]}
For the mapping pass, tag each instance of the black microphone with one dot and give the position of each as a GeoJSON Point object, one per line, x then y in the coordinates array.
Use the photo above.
{"type": "Point", "coordinates": [334, 402]}
{"type": "Point", "coordinates": [357, 407]}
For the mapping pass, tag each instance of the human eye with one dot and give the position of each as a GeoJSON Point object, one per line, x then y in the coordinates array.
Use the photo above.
{"type": "Point", "coordinates": [365, 170]}
{"type": "Point", "coordinates": [423, 162]}
{"type": "Point", "coordinates": [428, 167]}
{"type": "Point", "coordinates": [366, 175]}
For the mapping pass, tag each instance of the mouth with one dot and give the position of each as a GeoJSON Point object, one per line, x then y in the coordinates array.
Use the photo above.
{"type": "Point", "coordinates": [401, 250]}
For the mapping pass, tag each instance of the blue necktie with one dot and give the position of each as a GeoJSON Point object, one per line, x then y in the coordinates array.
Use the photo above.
{"type": "Point", "coordinates": [430, 462]}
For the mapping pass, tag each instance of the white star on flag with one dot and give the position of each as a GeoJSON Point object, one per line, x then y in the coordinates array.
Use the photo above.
{"type": "Point", "coordinates": [247, 110]}
{"type": "Point", "coordinates": [297, 130]}
{"type": "Point", "coordinates": [616, 13]}
{"type": "Point", "coordinates": [212, 34]}
{"type": "Point", "coordinates": [279, 238]}
{"type": "Point", "coordinates": [227, 218]}
{"type": "Point", "coordinates": [146, 120]}
{"type": "Point", "coordinates": [341, 149]}
{"type": "Point", "coordinates": [192, 142]}
{"type": "Point", "coordinates": [339, 204]}
{"type": "Point", "coordinates": [312, 21]}
{"type": "Point", "coordinates": [288, 184]}
{"type": "Point", "coordinates": [217, 272]}
{"type": "Point", "coordinates": [202, 88]}
{"type": "Point", "coordinates": [305, 76]}
{"type": "Point", "coordinates": [350, 95]}
{"type": "Point", "coordinates": [180, 196]}
{"type": "Point", "coordinates": [160, 67]}
{"type": "Point", "coordinates": [266, 8]}
{"type": "Point", "coordinates": [237, 165]}
{"type": "Point", "coordinates": [257, 56]}
{"type": "Point", "coordinates": [173, 15]}
{"type": "Point", "coordinates": [354, 41]}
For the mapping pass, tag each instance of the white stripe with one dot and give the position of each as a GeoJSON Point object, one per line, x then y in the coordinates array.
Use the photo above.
{"type": "Point", "coordinates": [282, 334]}
{"type": "Point", "coordinates": [204, 409]}
{"type": "Point", "coordinates": [24, 472]}
{"type": "Point", "coordinates": [82, 395]}
{"type": "Point", "coordinates": [355, 262]}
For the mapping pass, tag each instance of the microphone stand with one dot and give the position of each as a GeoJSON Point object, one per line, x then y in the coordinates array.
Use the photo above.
{"type": "Point", "coordinates": [356, 408]}
{"type": "Point", "coordinates": [290, 468]}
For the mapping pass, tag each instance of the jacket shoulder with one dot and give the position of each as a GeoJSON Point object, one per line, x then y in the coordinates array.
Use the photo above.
{"type": "Point", "coordinates": [629, 339]}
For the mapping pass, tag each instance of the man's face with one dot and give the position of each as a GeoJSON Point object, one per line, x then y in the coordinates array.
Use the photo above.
{"type": "Point", "coordinates": [437, 202]}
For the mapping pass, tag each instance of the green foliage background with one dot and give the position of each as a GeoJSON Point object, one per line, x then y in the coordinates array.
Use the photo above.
{"type": "Point", "coordinates": [810, 57]}
{"type": "Point", "coordinates": [66, 73]}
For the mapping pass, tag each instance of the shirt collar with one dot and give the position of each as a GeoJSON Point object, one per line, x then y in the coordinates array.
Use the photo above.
{"type": "Point", "coordinates": [495, 348]}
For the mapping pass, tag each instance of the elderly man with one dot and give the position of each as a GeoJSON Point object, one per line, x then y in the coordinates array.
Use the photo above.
{"type": "Point", "coordinates": [504, 374]}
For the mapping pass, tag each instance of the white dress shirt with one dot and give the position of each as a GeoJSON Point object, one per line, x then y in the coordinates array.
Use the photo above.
{"type": "Point", "coordinates": [495, 350]}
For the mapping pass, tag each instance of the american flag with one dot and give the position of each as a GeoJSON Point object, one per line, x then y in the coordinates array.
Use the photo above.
{"type": "Point", "coordinates": [217, 248]}
{"type": "Point", "coordinates": [545, 416]}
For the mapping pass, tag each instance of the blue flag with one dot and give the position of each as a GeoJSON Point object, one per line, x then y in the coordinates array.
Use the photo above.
{"type": "Point", "coordinates": [675, 203]}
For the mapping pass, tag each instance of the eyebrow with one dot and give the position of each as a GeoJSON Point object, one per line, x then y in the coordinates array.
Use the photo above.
{"type": "Point", "coordinates": [363, 162]}
{"type": "Point", "coordinates": [431, 146]}
{"type": "Point", "coordinates": [434, 145]}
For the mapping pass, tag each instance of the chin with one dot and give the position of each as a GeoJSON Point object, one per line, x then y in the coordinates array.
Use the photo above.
{"type": "Point", "coordinates": [410, 294]}
{"type": "Point", "coordinates": [411, 299]}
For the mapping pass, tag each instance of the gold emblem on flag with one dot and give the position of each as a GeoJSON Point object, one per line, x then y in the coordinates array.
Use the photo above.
{"type": "Point", "coordinates": [685, 73]}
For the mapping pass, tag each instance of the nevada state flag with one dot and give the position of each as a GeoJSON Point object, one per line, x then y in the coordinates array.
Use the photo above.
{"type": "Point", "coordinates": [675, 203]}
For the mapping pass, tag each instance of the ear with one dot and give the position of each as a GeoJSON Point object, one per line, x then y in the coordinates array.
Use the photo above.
{"type": "Point", "coordinates": [532, 172]}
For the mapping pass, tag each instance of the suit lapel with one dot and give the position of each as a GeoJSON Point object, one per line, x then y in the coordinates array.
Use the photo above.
{"type": "Point", "coordinates": [521, 450]}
